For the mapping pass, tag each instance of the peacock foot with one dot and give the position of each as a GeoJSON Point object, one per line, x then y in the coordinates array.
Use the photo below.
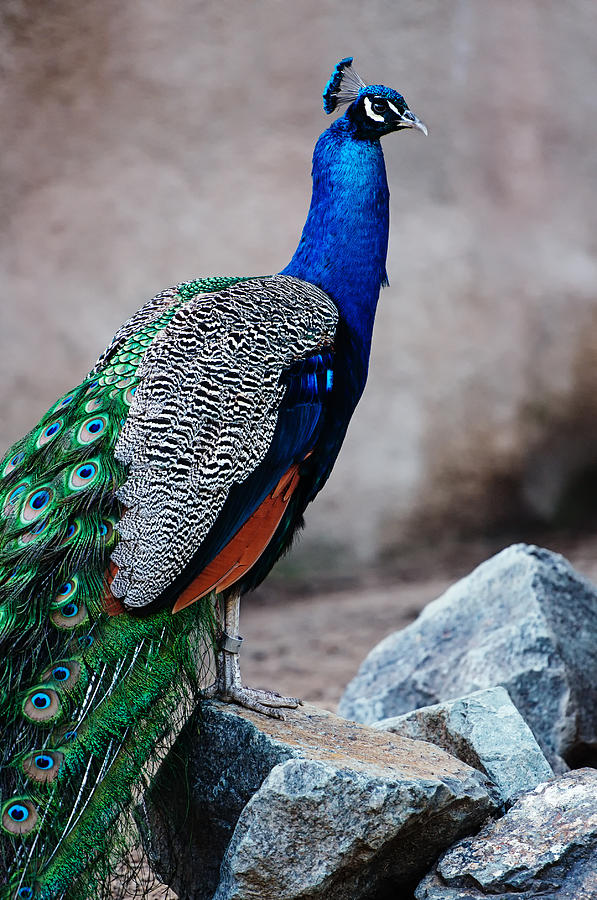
{"type": "Point", "coordinates": [269, 703]}
{"type": "Point", "coordinates": [229, 688]}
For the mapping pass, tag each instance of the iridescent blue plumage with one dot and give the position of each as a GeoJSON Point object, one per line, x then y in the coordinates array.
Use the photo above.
{"type": "Point", "coordinates": [344, 243]}
{"type": "Point", "coordinates": [342, 251]}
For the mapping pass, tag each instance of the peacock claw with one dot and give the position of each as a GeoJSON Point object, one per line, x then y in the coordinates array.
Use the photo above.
{"type": "Point", "coordinates": [268, 703]}
{"type": "Point", "coordinates": [229, 689]}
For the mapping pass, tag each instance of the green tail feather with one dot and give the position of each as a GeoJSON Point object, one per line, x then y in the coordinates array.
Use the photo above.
{"type": "Point", "coordinates": [84, 697]}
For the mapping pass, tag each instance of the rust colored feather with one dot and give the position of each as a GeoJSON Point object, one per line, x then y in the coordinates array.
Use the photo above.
{"type": "Point", "coordinates": [238, 555]}
{"type": "Point", "coordinates": [246, 546]}
{"type": "Point", "coordinates": [111, 604]}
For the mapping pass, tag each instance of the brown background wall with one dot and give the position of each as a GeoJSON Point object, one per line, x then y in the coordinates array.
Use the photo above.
{"type": "Point", "coordinates": [149, 141]}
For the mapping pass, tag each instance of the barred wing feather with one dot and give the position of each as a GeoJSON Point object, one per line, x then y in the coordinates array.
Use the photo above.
{"type": "Point", "coordinates": [203, 420]}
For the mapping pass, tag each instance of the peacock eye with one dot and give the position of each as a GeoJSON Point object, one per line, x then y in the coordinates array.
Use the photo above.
{"type": "Point", "coordinates": [44, 761]}
{"type": "Point", "coordinates": [379, 106]}
{"type": "Point", "coordinates": [18, 817]}
{"type": "Point", "coordinates": [61, 673]}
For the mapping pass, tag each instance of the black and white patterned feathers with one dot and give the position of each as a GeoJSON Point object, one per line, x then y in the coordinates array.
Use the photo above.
{"type": "Point", "coordinates": [203, 417]}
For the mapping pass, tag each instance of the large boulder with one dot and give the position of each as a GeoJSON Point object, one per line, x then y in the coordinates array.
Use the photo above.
{"type": "Point", "coordinates": [484, 730]}
{"type": "Point", "coordinates": [524, 620]}
{"type": "Point", "coordinates": [314, 806]}
{"type": "Point", "coordinates": [545, 846]}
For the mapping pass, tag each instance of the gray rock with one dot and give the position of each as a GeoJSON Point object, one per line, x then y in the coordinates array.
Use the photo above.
{"type": "Point", "coordinates": [545, 846]}
{"type": "Point", "coordinates": [484, 730]}
{"type": "Point", "coordinates": [524, 620]}
{"type": "Point", "coordinates": [314, 806]}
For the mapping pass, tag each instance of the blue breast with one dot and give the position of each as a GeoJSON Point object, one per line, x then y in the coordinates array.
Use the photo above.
{"type": "Point", "coordinates": [344, 243]}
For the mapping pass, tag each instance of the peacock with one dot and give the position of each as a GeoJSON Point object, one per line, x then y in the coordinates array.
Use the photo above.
{"type": "Point", "coordinates": [154, 494]}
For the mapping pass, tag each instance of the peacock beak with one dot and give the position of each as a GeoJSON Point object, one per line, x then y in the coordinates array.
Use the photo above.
{"type": "Point", "coordinates": [409, 120]}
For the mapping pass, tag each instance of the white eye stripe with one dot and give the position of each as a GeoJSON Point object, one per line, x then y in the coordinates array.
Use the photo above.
{"type": "Point", "coordinates": [370, 113]}
{"type": "Point", "coordinates": [392, 107]}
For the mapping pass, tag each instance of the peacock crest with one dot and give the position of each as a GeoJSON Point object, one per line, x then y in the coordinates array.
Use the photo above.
{"type": "Point", "coordinates": [343, 87]}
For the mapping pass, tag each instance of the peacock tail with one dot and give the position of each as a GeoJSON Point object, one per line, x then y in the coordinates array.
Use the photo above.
{"type": "Point", "coordinates": [85, 696]}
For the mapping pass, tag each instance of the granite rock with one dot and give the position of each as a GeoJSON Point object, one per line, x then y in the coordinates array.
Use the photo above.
{"type": "Point", "coordinates": [313, 806]}
{"type": "Point", "coordinates": [545, 846]}
{"type": "Point", "coordinates": [524, 620]}
{"type": "Point", "coordinates": [484, 730]}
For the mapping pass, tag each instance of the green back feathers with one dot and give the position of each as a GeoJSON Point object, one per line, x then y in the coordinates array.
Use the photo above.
{"type": "Point", "coordinates": [79, 690]}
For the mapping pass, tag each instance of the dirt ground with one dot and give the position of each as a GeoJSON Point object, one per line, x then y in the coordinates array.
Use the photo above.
{"type": "Point", "coordinates": [311, 646]}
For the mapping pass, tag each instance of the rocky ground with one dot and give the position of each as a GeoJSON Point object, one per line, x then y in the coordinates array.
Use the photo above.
{"type": "Point", "coordinates": [512, 642]}
{"type": "Point", "coordinates": [312, 645]}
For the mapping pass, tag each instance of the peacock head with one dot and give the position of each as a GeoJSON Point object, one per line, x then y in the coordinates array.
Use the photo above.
{"type": "Point", "coordinates": [374, 109]}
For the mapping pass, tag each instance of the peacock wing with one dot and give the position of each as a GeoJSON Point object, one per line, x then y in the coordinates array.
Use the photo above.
{"type": "Point", "coordinates": [208, 422]}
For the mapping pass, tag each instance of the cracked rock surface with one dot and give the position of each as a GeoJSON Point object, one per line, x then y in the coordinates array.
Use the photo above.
{"type": "Point", "coordinates": [484, 730]}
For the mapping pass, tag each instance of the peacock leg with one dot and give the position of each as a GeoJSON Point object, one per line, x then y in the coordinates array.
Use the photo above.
{"type": "Point", "coordinates": [228, 685]}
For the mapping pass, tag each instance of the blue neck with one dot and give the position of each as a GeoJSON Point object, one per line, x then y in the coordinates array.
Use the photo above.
{"type": "Point", "coordinates": [344, 242]}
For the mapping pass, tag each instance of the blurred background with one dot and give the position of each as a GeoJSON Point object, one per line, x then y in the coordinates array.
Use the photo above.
{"type": "Point", "coordinates": [149, 142]}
